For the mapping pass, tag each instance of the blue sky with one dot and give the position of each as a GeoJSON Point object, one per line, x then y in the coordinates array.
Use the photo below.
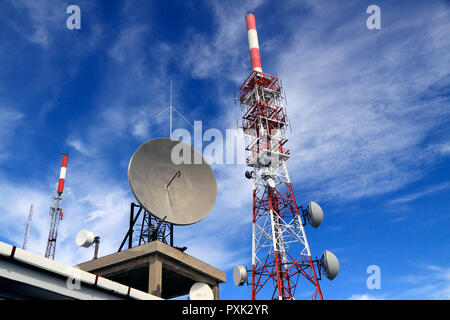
{"type": "Point", "coordinates": [370, 115]}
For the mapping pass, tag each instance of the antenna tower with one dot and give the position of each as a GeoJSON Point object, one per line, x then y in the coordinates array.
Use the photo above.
{"type": "Point", "coordinates": [280, 251]}
{"type": "Point", "coordinates": [56, 214]}
{"type": "Point", "coordinates": [27, 230]}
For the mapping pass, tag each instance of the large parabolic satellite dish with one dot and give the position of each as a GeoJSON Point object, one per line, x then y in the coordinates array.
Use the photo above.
{"type": "Point", "coordinates": [180, 193]}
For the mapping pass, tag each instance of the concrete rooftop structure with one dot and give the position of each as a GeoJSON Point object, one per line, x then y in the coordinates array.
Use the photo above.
{"type": "Point", "coordinates": [156, 268]}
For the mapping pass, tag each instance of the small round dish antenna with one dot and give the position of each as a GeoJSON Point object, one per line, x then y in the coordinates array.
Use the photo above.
{"type": "Point", "coordinates": [201, 291]}
{"type": "Point", "coordinates": [180, 194]}
{"type": "Point", "coordinates": [270, 183]}
{"type": "Point", "coordinates": [315, 214]}
{"type": "Point", "coordinates": [85, 238]}
{"type": "Point", "coordinates": [240, 275]}
{"type": "Point", "coordinates": [330, 264]}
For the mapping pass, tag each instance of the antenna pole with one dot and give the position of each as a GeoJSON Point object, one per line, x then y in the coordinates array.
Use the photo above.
{"type": "Point", "coordinates": [30, 216]}
{"type": "Point", "coordinates": [170, 111]}
{"type": "Point", "coordinates": [171, 108]}
{"type": "Point", "coordinates": [97, 243]}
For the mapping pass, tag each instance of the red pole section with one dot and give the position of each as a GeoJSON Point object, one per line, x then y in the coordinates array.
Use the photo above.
{"type": "Point", "coordinates": [62, 174]}
{"type": "Point", "coordinates": [253, 42]}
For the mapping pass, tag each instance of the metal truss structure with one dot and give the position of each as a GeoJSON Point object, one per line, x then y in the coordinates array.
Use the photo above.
{"type": "Point", "coordinates": [150, 229]}
{"type": "Point", "coordinates": [56, 213]}
{"type": "Point", "coordinates": [280, 250]}
{"type": "Point", "coordinates": [56, 216]}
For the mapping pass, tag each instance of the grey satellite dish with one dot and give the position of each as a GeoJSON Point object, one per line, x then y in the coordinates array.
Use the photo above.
{"type": "Point", "coordinates": [201, 291]}
{"type": "Point", "coordinates": [315, 214]}
{"type": "Point", "coordinates": [181, 194]}
{"type": "Point", "coordinates": [85, 238]}
{"type": "Point", "coordinates": [240, 275]}
{"type": "Point", "coordinates": [330, 264]}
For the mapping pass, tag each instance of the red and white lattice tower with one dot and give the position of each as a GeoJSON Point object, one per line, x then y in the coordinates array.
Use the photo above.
{"type": "Point", "coordinates": [280, 252]}
{"type": "Point", "coordinates": [56, 212]}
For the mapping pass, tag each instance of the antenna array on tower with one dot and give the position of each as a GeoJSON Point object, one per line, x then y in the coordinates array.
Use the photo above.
{"type": "Point", "coordinates": [280, 251]}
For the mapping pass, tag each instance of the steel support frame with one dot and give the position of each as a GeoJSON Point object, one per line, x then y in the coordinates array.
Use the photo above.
{"type": "Point", "coordinates": [277, 226]}
{"type": "Point", "coordinates": [55, 217]}
{"type": "Point", "coordinates": [277, 233]}
{"type": "Point", "coordinates": [150, 229]}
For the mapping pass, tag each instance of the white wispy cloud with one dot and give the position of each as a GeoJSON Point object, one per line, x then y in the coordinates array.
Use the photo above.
{"type": "Point", "coordinates": [354, 102]}
{"type": "Point", "coordinates": [432, 283]}
{"type": "Point", "coordinates": [78, 145]}
{"type": "Point", "coordinates": [420, 194]}
{"type": "Point", "coordinates": [364, 296]}
{"type": "Point", "coordinates": [141, 123]}
{"type": "Point", "coordinates": [444, 148]}
{"type": "Point", "coordinates": [44, 16]}
{"type": "Point", "coordinates": [126, 47]}
{"type": "Point", "coordinates": [43, 22]}
{"type": "Point", "coordinates": [9, 120]}
{"type": "Point", "coordinates": [399, 219]}
{"type": "Point", "coordinates": [217, 52]}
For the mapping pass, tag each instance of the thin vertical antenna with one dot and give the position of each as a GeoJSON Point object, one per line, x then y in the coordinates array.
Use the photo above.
{"type": "Point", "coordinates": [30, 216]}
{"type": "Point", "coordinates": [170, 108]}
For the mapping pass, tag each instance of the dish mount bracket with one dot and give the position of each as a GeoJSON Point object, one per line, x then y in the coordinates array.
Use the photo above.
{"type": "Point", "coordinates": [150, 229]}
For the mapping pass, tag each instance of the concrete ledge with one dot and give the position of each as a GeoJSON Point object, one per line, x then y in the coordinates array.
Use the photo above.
{"type": "Point", "coordinates": [25, 275]}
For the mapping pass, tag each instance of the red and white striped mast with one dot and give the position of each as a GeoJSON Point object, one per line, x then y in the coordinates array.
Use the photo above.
{"type": "Point", "coordinates": [253, 43]}
{"type": "Point", "coordinates": [56, 213]}
{"type": "Point", "coordinates": [280, 251]}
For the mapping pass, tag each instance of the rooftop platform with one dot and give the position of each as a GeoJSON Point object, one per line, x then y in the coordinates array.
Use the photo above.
{"type": "Point", "coordinates": [156, 268]}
